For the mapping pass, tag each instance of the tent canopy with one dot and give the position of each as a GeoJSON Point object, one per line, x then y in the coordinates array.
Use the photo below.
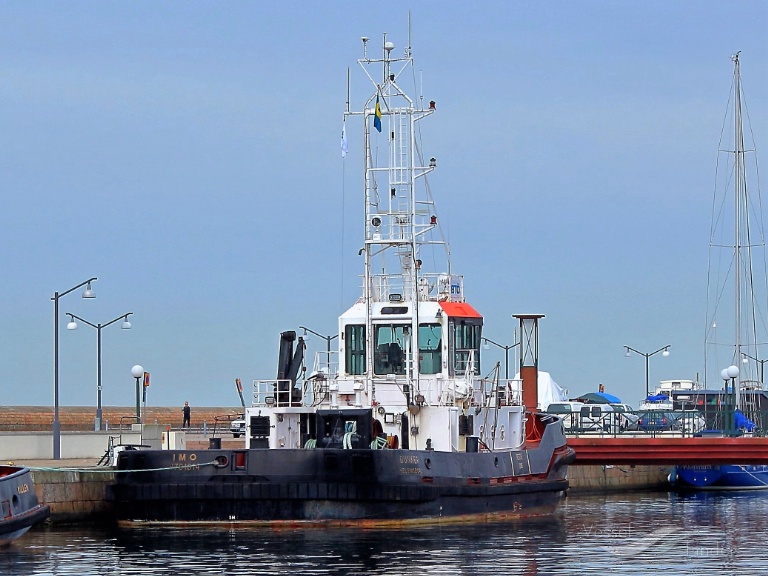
{"type": "Point", "coordinates": [599, 398]}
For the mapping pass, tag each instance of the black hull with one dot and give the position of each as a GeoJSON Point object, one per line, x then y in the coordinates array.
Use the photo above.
{"type": "Point", "coordinates": [337, 486]}
{"type": "Point", "coordinates": [332, 503]}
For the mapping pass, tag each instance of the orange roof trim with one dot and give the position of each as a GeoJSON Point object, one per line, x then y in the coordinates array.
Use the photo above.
{"type": "Point", "coordinates": [459, 309]}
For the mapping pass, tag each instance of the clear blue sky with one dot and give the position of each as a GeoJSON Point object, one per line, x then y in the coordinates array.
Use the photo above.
{"type": "Point", "coordinates": [187, 154]}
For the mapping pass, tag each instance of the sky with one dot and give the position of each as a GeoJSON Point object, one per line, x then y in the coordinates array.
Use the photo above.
{"type": "Point", "coordinates": [187, 155]}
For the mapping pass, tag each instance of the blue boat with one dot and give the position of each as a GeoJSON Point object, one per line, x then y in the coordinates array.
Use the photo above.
{"type": "Point", "coordinates": [720, 477]}
{"type": "Point", "coordinates": [738, 399]}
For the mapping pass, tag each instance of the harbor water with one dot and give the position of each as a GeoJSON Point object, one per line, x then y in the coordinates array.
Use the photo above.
{"type": "Point", "coordinates": [702, 533]}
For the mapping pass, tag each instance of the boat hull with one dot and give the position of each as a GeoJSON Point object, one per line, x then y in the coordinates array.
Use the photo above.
{"type": "Point", "coordinates": [722, 477]}
{"type": "Point", "coordinates": [337, 486]}
{"type": "Point", "coordinates": [20, 507]}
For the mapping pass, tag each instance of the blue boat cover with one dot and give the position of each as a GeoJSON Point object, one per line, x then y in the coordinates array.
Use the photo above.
{"type": "Point", "coordinates": [658, 398]}
{"type": "Point", "coordinates": [742, 421]}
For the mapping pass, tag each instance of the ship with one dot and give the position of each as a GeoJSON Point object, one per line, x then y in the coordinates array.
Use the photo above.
{"type": "Point", "coordinates": [400, 424]}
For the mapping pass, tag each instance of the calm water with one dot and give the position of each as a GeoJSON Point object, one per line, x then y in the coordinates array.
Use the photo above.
{"type": "Point", "coordinates": [625, 534]}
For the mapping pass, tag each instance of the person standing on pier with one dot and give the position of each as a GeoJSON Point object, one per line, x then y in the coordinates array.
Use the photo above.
{"type": "Point", "coordinates": [187, 411]}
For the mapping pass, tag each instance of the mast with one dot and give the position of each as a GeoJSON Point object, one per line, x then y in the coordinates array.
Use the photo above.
{"type": "Point", "coordinates": [739, 196]}
{"type": "Point", "coordinates": [738, 272]}
{"type": "Point", "coordinates": [399, 211]}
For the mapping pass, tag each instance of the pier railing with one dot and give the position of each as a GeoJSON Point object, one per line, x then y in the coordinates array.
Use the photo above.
{"type": "Point", "coordinates": [593, 421]}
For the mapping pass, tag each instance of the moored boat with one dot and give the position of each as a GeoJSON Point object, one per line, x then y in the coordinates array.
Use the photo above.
{"type": "Point", "coordinates": [397, 425]}
{"type": "Point", "coordinates": [18, 503]}
{"type": "Point", "coordinates": [742, 292]}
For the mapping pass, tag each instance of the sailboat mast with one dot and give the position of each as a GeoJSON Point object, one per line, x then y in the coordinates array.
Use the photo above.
{"type": "Point", "coordinates": [740, 207]}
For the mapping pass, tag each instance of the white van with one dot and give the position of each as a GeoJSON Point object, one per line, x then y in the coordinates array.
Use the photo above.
{"type": "Point", "coordinates": [582, 417]}
{"type": "Point", "coordinates": [569, 412]}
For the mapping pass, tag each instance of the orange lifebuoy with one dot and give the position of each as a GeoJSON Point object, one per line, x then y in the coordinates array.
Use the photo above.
{"type": "Point", "coordinates": [393, 442]}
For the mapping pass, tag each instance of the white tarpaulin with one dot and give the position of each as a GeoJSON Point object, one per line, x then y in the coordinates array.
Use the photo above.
{"type": "Point", "coordinates": [549, 390]}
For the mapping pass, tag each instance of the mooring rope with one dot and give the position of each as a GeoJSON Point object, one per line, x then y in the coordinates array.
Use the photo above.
{"type": "Point", "coordinates": [113, 471]}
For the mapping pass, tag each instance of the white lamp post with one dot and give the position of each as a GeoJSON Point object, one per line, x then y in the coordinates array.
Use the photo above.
{"type": "Point", "coordinates": [730, 373]}
{"type": "Point", "coordinates": [138, 372]}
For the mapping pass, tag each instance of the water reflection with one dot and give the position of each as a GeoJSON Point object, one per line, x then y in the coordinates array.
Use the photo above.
{"type": "Point", "coordinates": [626, 534]}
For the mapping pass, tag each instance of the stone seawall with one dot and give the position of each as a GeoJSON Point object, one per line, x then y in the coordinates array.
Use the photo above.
{"type": "Point", "coordinates": [606, 478]}
{"type": "Point", "coordinates": [74, 496]}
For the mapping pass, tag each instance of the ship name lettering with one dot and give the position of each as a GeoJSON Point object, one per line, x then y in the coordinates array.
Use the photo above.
{"type": "Point", "coordinates": [409, 459]}
{"type": "Point", "coordinates": [416, 471]}
{"type": "Point", "coordinates": [183, 457]}
{"type": "Point", "coordinates": [22, 489]}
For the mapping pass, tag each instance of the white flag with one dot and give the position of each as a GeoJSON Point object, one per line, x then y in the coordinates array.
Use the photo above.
{"type": "Point", "coordinates": [344, 139]}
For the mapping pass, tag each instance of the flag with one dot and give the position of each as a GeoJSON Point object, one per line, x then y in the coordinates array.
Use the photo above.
{"type": "Point", "coordinates": [344, 139]}
{"type": "Point", "coordinates": [377, 116]}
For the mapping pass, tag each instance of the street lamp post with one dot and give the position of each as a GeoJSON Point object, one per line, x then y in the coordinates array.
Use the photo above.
{"type": "Point", "coordinates": [72, 325]}
{"type": "Point", "coordinates": [663, 349]}
{"type": "Point", "coordinates": [730, 373]}
{"type": "Point", "coordinates": [744, 357]}
{"type": "Point", "coordinates": [87, 293]}
{"type": "Point", "coordinates": [138, 372]}
{"type": "Point", "coordinates": [327, 342]}
{"type": "Point", "coordinates": [506, 348]}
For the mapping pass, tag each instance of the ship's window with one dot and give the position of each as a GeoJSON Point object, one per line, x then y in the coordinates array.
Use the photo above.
{"type": "Point", "coordinates": [354, 338]}
{"type": "Point", "coordinates": [391, 344]}
{"type": "Point", "coordinates": [394, 310]}
{"type": "Point", "coordinates": [466, 342]}
{"type": "Point", "coordinates": [430, 344]}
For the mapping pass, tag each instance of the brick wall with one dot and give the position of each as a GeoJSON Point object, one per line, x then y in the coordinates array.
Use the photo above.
{"type": "Point", "coordinates": [81, 418]}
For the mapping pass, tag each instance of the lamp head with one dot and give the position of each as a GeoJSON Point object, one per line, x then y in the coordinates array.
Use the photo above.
{"type": "Point", "coordinates": [666, 352]}
{"type": "Point", "coordinates": [137, 371]}
{"type": "Point", "coordinates": [125, 325]}
{"type": "Point", "coordinates": [88, 292]}
{"type": "Point", "coordinates": [71, 325]}
{"type": "Point", "coordinates": [733, 371]}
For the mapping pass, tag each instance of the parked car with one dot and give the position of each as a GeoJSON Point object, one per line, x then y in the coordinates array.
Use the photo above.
{"type": "Point", "coordinates": [599, 418]}
{"type": "Point", "coordinates": [237, 427]}
{"type": "Point", "coordinates": [656, 421]}
{"type": "Point", "coordinates": [628, 418]}
{"type": "Point", "coordinates": [689, 421]}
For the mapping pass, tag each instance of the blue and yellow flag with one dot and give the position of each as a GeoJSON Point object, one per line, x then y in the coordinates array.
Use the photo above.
{"type": "Point", "coordinates": [377, 116]}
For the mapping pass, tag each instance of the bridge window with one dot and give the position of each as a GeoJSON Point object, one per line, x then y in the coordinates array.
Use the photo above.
{"type": "Point", "coordinates": [430, 345]}
{"type": "Point", "coordinates": [465, 343]}
{"type": "Point", "coordinates": [354, 339]}
{"type": "Point", "coordinates": [391, 344]}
